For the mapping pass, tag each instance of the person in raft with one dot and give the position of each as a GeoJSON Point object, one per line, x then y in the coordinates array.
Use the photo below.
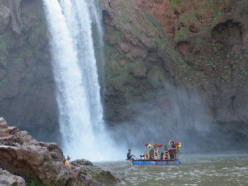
{"type": "Point", "coordinates": [172, 150]}
{"type": "Point", "coordinates": [165, 155]}
{"type": "Point", "coordinates": [67, 162]}
{"type": "Point", "coordinates": [130, 156]}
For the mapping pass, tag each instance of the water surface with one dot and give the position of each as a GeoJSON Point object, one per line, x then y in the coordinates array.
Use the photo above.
{"type": "Point", "coordinates": [218, 170]}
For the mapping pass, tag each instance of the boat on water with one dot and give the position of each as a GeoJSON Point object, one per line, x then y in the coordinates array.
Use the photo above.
{"type": "Point", "coordinates": [155, 156]}
{"type": "Point", "coordinates": [156, 162]}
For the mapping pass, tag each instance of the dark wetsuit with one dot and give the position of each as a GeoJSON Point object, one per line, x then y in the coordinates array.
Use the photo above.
{"type": "Point", "coordinates": [129, 156]}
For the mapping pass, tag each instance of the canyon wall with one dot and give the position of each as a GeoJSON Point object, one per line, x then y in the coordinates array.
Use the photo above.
{"type": "Point", "coordinates": [148, 45]}
{"type": "Point", "coordinates": [27, 95]}
{"type": "Point", "coordinates": [185, 43]}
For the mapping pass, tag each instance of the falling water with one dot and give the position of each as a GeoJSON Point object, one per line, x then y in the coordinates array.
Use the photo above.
{"type": "Point", "coordinates": [98, 33]}
{"type": "Point", "coordinates": [78, 90]}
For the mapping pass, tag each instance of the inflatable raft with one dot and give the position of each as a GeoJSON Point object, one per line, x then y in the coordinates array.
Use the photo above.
{"type": "Point", "coordinates": [156, 162]}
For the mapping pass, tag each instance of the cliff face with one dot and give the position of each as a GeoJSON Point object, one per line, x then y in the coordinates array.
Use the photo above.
{"type": "Point", "coordinates": [211, 37]}
{"type": "Point", "coordinates": [26, 81]}
{"type": "Point", "coordinates": [198, 43]}
{"type": "Point", "coordinates": [148, 44]}
{"type": "Point", "coordinates": [139, 58]}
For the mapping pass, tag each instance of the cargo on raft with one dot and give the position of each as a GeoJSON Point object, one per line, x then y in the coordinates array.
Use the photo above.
{"type": "Point", "coordinates": [156, 162]}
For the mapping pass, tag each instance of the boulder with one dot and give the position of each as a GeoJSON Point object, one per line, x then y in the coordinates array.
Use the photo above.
{"type": "Point", "coordinates": [43, 163]}
{"type": "Point", "coordinates": [82, 162]}
{"type": "Point", "coordinates": [8, 179]}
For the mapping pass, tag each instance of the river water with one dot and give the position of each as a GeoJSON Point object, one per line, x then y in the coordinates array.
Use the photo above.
{"type": "Point", "coordinates": [211, 170]}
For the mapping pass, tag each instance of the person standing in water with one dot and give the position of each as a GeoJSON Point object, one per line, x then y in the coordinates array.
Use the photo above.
{"type": "Point", "coordinates": [129, 155]}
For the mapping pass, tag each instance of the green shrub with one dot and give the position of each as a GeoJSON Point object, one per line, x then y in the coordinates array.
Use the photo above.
{"type": "Point", "coordinates": [32, 183]}
{"type": "Point", "coordinates": [181, 35]}
{"type": "Point", "coordinates": [175, 3]}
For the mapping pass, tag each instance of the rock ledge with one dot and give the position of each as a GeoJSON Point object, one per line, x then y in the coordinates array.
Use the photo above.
{"type": "Point", "coordinates": [43, 163]}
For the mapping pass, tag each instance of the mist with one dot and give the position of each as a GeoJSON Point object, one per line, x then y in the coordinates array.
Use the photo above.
{"type": "Point", "coordinates": [178, 114]}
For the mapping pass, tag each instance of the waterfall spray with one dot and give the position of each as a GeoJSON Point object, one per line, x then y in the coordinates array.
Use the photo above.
{"type": "Point", "coordinates": [78, 90]}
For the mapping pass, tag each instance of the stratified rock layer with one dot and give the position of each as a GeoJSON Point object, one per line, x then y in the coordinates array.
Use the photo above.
{"type": "Point", "coordinates": [43, 163]}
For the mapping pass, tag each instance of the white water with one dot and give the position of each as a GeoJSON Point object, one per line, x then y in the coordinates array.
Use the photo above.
{"type": "Point", "coordinates": [96, 18]}
{"type": "Point", "coordinates": [78, 90]}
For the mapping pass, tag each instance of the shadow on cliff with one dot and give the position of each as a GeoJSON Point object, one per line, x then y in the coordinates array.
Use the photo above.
{"type": "Point", "coordinates": [177, 114]}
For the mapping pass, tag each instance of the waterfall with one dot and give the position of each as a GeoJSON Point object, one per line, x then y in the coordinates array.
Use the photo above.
{"type": "Point", "coordinates": [78, 91]}
{"type": "Point", "coordinates": [96, 17]}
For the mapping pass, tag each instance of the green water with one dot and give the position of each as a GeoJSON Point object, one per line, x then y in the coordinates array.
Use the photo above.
{"type": "Point", "coordinates": [218, 170]}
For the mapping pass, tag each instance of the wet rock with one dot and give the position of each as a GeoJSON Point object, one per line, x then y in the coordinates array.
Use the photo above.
{"type": "Point", "coordinates": [4, 17]}
{"type": "Point", "coordinates": [8, 179]}
{"type": "Point", "coordinates": [184, 47]}
{"type": "Point", "coordinates": [10, 10]}
{"type": "Point", "coordinates": [81, 162]}
{"type": "Point", "coordinates": [43, 163]}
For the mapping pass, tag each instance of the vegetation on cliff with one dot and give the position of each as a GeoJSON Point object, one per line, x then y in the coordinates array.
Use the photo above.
{"type": "Point", "coordinates": [201, 43]}
{"type": "Point", "coordinates": [147, 45]}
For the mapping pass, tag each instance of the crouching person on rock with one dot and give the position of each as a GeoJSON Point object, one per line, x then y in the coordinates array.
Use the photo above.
{"type": "Point", "coordinates": [67, 162]}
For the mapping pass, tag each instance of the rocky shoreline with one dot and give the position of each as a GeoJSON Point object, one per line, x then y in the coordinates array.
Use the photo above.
{"type": "Point", "coordinates": [41, 163]}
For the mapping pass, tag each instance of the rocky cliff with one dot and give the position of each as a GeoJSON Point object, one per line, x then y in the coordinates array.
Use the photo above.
{"type": "Point", "coordinates": [27, 95]}
{"type": "Point", "coordinates": [198, 43]}
{"type": "Point", "coordinates": [148, 44]}
{"type": "Point", "coordinates": [8, 179]}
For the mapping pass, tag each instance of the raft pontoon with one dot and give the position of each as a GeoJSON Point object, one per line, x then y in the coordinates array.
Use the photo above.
{"type": "Point", "coordinates": [156, 162]}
